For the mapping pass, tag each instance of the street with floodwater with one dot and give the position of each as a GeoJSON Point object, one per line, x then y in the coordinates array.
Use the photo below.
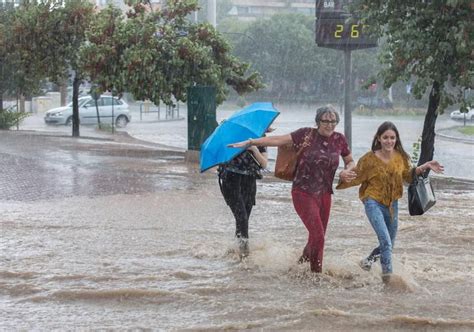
{"type": "Point", "coordinates": [117, 232]}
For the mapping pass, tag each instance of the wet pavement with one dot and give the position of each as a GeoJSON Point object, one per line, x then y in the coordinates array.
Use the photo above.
{"type": "Point", "coordinates": [36, 166]}
{"type": "Point", "coordinates": [454, 150]}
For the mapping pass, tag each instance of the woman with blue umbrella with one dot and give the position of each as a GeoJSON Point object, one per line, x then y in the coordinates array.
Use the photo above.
{"type": "Point", "coordinates": [238, 183]}
{"type": "Point", "coordinates": [317, 163]}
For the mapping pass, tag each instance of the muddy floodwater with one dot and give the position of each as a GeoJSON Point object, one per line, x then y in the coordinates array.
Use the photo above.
{"type": "Point", "coordinates": [97, 237]}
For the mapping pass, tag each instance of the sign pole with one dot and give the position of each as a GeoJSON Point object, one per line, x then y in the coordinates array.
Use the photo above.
{"type": "Point", "coordinates": [347, 97]}
{"type": "Point", "coordinates": [338, 29]}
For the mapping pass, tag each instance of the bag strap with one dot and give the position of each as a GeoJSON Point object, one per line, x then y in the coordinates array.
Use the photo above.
{"type": "Point", "coordinates": [306, 142]}
{"type": "Point", "coordinates": [414, 176]}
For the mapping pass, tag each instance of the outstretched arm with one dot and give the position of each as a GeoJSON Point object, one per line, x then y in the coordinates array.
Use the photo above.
{"type": "Point", "coordinates": [264, 141]}
{"type": "Point", "coordinates": [433, 165]}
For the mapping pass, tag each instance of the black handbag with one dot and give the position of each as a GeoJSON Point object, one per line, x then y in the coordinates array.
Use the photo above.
{"type": "Point", "coordinates": [421, 196]}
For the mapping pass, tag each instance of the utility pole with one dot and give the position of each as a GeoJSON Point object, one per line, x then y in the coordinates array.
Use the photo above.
{"type": "Point", "coordinates": [211, 12]}
{"type": "Point", "coordinates": [347, 96]}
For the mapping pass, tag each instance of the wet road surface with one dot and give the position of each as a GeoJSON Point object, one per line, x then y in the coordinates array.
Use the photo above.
{"type": "Point", "coordinates": [102, 234]}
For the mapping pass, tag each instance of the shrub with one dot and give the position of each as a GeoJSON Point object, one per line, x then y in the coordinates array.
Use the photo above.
{"type": "Point", "coordinates": [9, 119]}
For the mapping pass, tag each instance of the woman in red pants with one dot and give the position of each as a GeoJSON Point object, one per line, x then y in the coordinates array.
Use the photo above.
{"type": "Point", "coordinates": [316, 167]}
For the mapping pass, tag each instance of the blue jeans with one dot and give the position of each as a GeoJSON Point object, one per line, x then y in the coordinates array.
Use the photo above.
{"type": "Point", "coordinates": [385, 226]}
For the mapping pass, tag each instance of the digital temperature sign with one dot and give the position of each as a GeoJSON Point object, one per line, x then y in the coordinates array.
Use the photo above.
{"type": "Point", "coordinates": [337, 28]}
{"type": "Point", "coordinates": [342, 33]}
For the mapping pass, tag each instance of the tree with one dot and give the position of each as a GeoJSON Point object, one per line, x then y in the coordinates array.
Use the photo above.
{"type": "Point", "coordinates": [156, 55]}
{"type": "Point", "coordinates": [19, 75]}
{"type": "Point", "coordinates": [5, 66]}
{"type": "Point", "coordinates": [48, 36]}
{"type": "Point", "coordinates": [430, 43]}
{"type": "Point", "coordinates": [282, 48]}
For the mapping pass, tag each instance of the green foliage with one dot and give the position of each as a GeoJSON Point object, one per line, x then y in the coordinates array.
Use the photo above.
{"type": "Point", "coordinates": [105, 127]}
{"type": "Point", "coordinates": [415, 156]}
{"type": "Point", "coordinates": [283, 49]}
{"type": "Point", "coordinates": [18, 75]}
{"type": "Point", "coordinates": [396, 111]}
{"type": "Point", "coordinates": [9, 119]}
{"type": "Point", "coordinates": [425, 42]}
{"type": "Point", "coordinates": [156, 55]}
{"type": "Point", "coordinates": [45, 42]}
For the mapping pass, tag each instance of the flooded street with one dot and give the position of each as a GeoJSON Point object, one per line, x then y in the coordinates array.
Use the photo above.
{"type": "Point", "coordinates": [99, 235]}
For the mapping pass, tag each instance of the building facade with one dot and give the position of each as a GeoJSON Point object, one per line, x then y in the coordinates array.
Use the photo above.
{"type": "Point", "coordinates": [121, 4]}
{"type": "Point", "coordinates": [245, 9]}
{"type": "Point", "coordinates": [252, 9]}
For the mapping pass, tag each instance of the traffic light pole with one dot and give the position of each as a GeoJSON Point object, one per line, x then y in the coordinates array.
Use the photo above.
{"type": "Point", "coordinates": [347, 97]}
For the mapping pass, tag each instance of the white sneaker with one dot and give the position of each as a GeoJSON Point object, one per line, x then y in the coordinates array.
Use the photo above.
{"type": "Point", "coordinates": [366, 263]}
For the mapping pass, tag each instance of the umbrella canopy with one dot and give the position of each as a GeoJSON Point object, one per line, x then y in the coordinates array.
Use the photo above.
{"type": "Point", "coordinates": [250, 122]}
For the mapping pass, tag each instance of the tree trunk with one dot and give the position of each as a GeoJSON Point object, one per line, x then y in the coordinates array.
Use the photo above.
{"type": "Point", "coordinates": [22, 103]}
{"type": "Point", "coordinates": [75, 106]}
{"type": "Point", "coordinates": [428, 135]}
{"type": "Point", "coordinates": [63, 92]}
{"type": "Point", "coordinates": [97, 111]}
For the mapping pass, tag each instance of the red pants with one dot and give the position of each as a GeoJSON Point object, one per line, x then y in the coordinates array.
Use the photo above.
{"type": "Point", "coordinates": [314, 212]}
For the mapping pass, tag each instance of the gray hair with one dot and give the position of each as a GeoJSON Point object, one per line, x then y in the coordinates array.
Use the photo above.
{"type": "Point", "coordinates": [326, 109]}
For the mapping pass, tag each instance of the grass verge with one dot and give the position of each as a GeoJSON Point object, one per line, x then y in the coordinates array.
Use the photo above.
{"type": "Point", "coordinates": [467, 130]}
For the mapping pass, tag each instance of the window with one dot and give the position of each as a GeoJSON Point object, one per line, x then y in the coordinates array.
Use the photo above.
{"type": "Point", "coordinates": [107, 101]}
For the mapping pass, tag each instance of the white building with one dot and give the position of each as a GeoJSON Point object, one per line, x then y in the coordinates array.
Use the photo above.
{"type": "Point", "coordinates": [252, 9]}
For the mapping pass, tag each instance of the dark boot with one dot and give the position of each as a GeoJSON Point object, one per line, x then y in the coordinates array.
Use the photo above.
{"type": "Point", "coordinates": [303, 259]}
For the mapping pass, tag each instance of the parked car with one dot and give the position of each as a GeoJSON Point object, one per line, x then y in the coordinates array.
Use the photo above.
{"type": "Point", "coordinates": [88, 113]}
{"type": "Point", "coordinates": [457, 115]}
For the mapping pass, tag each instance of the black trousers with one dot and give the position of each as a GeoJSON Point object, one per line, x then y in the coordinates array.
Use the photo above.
{"type": "Point", "coordinates": [239, 193]}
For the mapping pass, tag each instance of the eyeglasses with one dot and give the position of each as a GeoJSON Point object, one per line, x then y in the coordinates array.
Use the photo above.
{"type": "Point", "coordinates": [331, 122]}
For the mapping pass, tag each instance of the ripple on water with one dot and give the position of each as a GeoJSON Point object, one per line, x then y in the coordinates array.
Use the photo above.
{"type": "Point", "coordinates": [98, 295]}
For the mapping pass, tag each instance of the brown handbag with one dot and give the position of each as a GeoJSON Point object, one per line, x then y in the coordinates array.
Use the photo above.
{"type": "Point", "coordinates": [287, 157]}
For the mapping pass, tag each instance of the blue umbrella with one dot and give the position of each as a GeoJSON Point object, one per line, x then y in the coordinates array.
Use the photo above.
{"type": "Point", "coordinates": [250, 122]}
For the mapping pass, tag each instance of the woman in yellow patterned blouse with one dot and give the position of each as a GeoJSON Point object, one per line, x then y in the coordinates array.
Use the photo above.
{"type": "Point", "coordinates": [380, 174]}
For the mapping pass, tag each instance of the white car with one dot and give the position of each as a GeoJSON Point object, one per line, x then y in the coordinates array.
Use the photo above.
{"type": "Point", "coordinates": [457, 115]}
{"type": "Point", "coordinates": [88, 112]}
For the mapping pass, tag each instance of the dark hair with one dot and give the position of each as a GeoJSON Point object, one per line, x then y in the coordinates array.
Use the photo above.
{"type": "Point", "coordinates": [323, 110]}
{"type": "Point", "coordinates": [387, 125]}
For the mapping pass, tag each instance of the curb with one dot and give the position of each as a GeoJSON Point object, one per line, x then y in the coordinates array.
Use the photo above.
{"type": "Point", "coordinates": [442, 135]}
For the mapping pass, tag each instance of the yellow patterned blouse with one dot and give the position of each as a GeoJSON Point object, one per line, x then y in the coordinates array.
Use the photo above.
{"type": "Point", "coordinates": [380, 181]}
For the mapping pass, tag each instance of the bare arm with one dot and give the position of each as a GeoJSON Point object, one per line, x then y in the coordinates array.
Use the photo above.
{"type": "Point", "coordinates": [348, 174]}
{"type": "Point", "coordinates": [264, 141]}
{"type": "Point", "coordinates": [433, 165]}
{"type": "Point", "coordinates": [261, 157]}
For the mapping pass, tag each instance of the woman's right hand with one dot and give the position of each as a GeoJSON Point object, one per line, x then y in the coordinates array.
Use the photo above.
{"type": "Point", "coordinates": [347, 175]}
{"type": "Point", "coordinates": [242, 144]}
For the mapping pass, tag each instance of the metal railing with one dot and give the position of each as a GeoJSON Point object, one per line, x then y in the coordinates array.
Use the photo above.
{"type": "Point", "coordinates": [168, 113]}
